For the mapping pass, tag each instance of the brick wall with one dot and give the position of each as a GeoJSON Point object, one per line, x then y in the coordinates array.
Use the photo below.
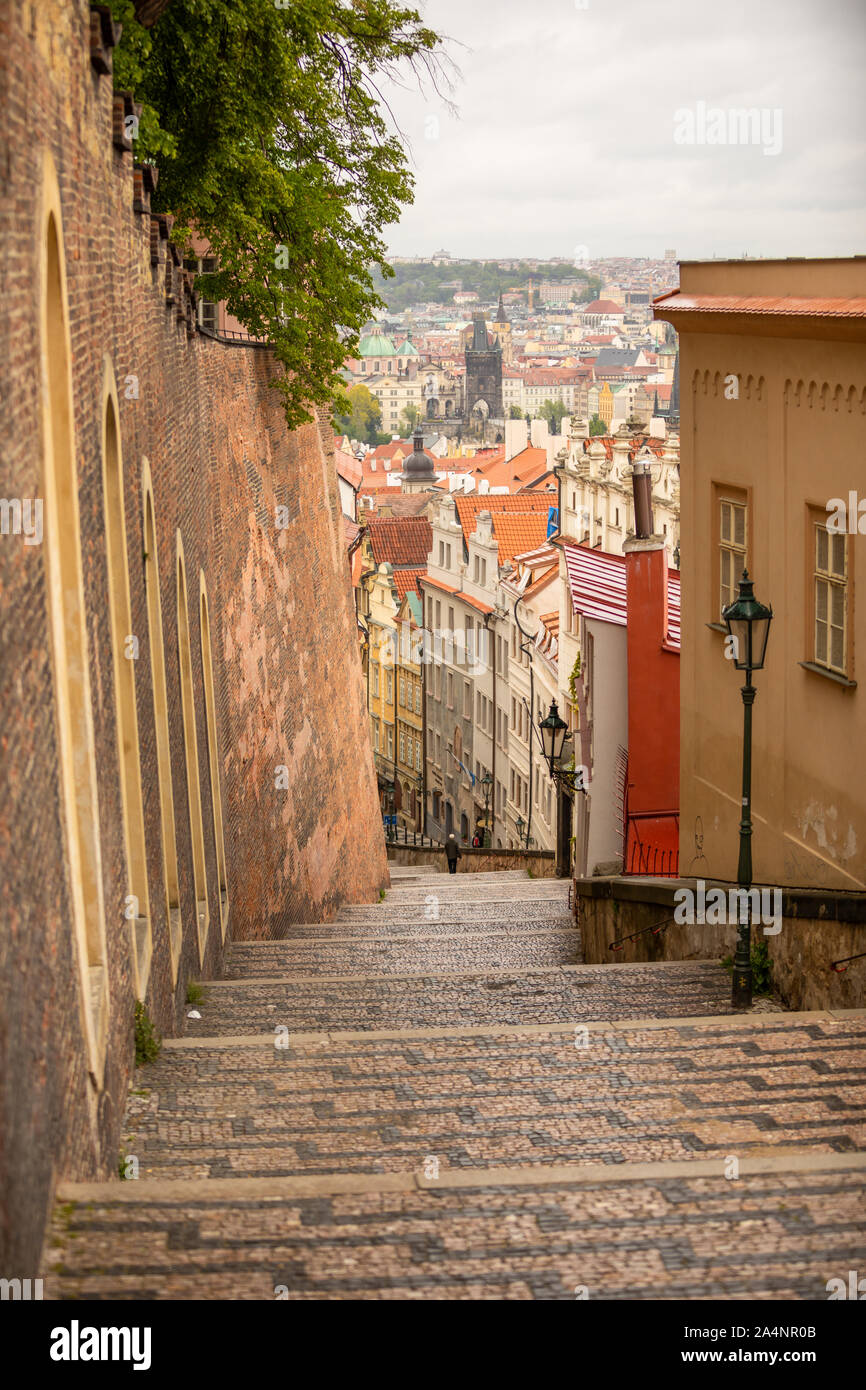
{"type": "Point", "coordinates": [287, 678]}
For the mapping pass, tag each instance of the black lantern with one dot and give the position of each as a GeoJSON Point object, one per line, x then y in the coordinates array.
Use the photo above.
{"type": "Point", "coordinates": [487, 783]}
{"type": "Point", "coordinates": [553, 731]}
{"type": "Point", "coordinates": [748, 622]}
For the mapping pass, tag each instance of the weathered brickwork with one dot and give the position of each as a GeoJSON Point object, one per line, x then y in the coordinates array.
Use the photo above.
{"type": "Point", "coordinates": [286, 674]}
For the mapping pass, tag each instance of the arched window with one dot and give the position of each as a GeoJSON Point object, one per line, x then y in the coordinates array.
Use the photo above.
{"type": "Point", "coordinates": [65, 590]}
{"type": "Point", "coordinates": [213, 751]}
{"type": "Point", "coordinates": [124, 644]}
{"type": "Point", "coordinates": [190, 743]}
{"type": "Point", "coordinates": [160, 716]}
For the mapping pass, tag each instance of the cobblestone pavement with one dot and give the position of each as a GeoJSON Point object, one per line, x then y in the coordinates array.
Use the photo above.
{"type": "Point", "coordinates": [396, 1106]}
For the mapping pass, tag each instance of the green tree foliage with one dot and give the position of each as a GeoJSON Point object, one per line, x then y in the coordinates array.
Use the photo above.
{"type": "Point", "coordinates": [515, 413]}
{"type": "Point", "coordinates": [363, 417]}
{"type": "Point", "coordinates": [409, 417]}
{"type": "Point", "coordinates": [597, 425]}
{"type": "Point", "coordinates": [418, 282]}
{"type": "Point", "coordinates": [552, 412]}
{"type": "Point", "coordinates": [267, 126]}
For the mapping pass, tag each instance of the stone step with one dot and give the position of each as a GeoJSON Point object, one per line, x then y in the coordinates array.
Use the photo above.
{"type": "Point", "coordinates": [777, 1233]}
{"type": "Point", "coordinates": [503, 995]}
{"type": "Point", "coordinates": [625, 1094]}
{"type": "Point", "coordinates": [440, 951]}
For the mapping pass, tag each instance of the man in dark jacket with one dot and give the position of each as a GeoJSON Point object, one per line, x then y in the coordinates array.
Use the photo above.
{"type": "Point", "coordinates": [452, 853]}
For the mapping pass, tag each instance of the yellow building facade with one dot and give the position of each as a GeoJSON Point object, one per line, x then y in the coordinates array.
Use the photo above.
{"type": "Point", "coordinates": [773, 435]}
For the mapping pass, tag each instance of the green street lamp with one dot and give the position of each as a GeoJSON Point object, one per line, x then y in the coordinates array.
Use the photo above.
{"type": "Point", "coordinates": [521, 826]}
{"type": "Point", "coordinates": [748, 624]}
{"type": "Point", "coordinates": [487, 783]}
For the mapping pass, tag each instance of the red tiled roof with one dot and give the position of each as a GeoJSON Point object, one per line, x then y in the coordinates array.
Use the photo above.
{"type": "Point", "coordinates": [603, 306]}
{"type": "Point", "coordinates": [349, 469]}
{"type": "Point", "coordinates": [458, 593]}
{"type": "Point", "coordinates": [789, 306]}
{"type": "Point", "coordinates": [351, 530]}
{"type": "Point", "coordinates": [401, 540]}
{"type": "Point", "coordinates": [406, 580]}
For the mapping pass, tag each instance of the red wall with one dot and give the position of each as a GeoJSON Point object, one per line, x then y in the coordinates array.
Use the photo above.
{"type": "Point", "coordinates": [653, 713]}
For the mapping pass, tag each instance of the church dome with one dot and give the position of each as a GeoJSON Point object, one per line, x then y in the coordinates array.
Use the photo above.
{"type": "Point", "coordinates": [418, 464]}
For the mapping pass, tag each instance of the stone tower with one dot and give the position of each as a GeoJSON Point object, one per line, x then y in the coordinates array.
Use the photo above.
{"type": "Point", "coordinates": [483, 375]}
{"type": "Point", "coordinates": [502, 328]}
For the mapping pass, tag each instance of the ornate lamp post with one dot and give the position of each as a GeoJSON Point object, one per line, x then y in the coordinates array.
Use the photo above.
{"type": "Point", "coordinates": [521, 826]}
{"type": "Point", "coordinates": [487, 783]}
{"type": "Point", "coordinates": [748, 623]}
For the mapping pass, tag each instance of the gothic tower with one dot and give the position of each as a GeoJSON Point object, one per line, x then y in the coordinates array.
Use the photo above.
{"type": "Point", "coordinates": [483, 391]}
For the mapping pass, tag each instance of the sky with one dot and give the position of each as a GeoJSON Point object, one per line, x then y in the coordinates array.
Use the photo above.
{"type": "Point", "coordinates": [579, 124]}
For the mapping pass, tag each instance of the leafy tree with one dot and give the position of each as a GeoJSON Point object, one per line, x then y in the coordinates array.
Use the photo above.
{"type": "Point", "coordinates": [272, 142]}
{"type": "Point", "coordinates": [552, 412]}
{"type": "Point", "coordinates": [515, 413]}
{"type": "Point", "coordinates": [363, 418]}
{"type": "Point", "coordinates": [597, 425]}
{"type": "Point", "coordinates": [409, 417]}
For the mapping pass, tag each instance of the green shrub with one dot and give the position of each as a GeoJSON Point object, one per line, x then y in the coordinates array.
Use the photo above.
{"type": "Point", "coordinates": [762, 969]}
{"type": "Point", "coordinates": [147, 1041]}
{"type": "Point", "coordinates": [194, 992]}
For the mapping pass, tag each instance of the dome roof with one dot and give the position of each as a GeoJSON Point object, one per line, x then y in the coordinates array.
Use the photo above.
{"type": "Point", "coordinates": [376, 345]}
{"type": "Point", "coordinates": [419, 464]}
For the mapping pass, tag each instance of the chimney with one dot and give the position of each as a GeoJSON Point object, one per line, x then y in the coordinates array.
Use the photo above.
{"type": "Point", "coordinates": [643, 507]}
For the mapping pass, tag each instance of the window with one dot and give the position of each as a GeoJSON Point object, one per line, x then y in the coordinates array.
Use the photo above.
{"type": "Point", "coordinates": [831, 600]}
{"type": "Point", "coordinates": [389, 688]}
{"type": "Point", "coordinates": [450, 690]}
{"type": "Point", "coordinates": [390, 742]}
{"type": "Point", "coordinates": [733, 543]}
{"type": "Point", "coordinates": [402, 746]}
{"type": "Point", "coordinates": [417, 755]}
{"type": "Point", "coordinates": [208, 310]}
{"type": "Point", "coordinates": [402, 691]}
{"type": "Point", "coordinates": [417, 699]}
{"type": "Point", "coordinates": [467, 700]}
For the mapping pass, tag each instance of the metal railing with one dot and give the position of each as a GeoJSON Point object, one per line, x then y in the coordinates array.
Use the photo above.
{"type": "Point", "coordinates": [653, 861]}
{"type": "Point", "coordinates": [400, 835]}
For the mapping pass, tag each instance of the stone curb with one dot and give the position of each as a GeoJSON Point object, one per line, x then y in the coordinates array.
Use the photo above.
{"type": "Point", "coordinates": [540, 1175]}
{"type": "Point", "coordinates": [628, 1025]}
{"type": "Point", "coordinates": [521, 972]}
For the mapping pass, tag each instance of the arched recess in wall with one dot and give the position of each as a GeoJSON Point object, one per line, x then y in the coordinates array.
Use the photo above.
{"type": "Point", "coordinates": [65, 597]}
{"type": "Point", "coordinates": [160, 715]}
{"type": "Point", "coordinates": [190, 743]}
{"type": "Point", "coordinates": [124, 646]}
{"type": "Point", "coordinates": [213, 750]}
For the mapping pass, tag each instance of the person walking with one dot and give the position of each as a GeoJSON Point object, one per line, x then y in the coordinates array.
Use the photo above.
{"type": "Point", "coordinates": [452, 853]}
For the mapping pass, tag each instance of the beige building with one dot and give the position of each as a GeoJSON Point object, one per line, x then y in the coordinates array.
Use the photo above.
{"type": "Point", "coordinates": [773, 429]}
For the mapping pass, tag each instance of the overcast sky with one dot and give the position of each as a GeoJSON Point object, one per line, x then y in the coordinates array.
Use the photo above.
{"type": "Point", "coordinates": [564, 135]}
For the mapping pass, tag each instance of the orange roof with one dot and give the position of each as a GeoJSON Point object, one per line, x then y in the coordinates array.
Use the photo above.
{"type": "Point", "coordinates": [519, 523]}
{"type": "Point", "coordinates": [525, 467]}
{"type": "Point", "coordinates": [458, 593]}
{"type": "Point", "coordinates": [406, 580]}
{"type": "Point", "coordinates": [787, 305]}
{"type": "Point", "coordinates": [401, 540]}
{"type": "Point", "coordinates": [349, 468]}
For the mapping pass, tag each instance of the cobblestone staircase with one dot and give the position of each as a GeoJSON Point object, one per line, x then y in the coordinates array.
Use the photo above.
{"type": "Point", "coordinates": [432, 1098]}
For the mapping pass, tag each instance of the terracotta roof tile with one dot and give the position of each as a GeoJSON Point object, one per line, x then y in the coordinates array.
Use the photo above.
{"type": "Point", "coordinates": [407, 580]}
{"type": "Point", "coordinates": [786, 305]}
{"type": "Point", "coordinates": [401, 540]}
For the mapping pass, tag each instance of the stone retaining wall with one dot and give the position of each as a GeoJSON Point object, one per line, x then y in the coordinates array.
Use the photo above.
{"type": "Point", "coordinates": [817, 928]}
{"type": "Point", "coordinates": [539, 863]}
